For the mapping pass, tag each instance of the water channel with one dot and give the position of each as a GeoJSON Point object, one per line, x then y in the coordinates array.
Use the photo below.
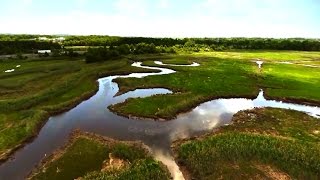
{"type": "Point", "coordinates": [93, 115]}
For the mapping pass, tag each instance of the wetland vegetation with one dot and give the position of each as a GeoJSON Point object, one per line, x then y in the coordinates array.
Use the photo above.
{"type": "Point", "coordinates": [88, 156]}
{"type": "Point", "coordinates": [40, 88]}
{"type": "Point", "coordinates": [224, 74]}
{"type": "Point", "coordinates": [260, 143]}
{"type": "Point", "coordinates": [255, 145]}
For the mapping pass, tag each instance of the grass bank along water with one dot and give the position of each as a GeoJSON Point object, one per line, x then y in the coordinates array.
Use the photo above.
{"type": "Point", "coordinates": [260, 143]}
{"type": "Point", "coordinates": [41, 88]}
{"type": "Point", "coordinates": [93, 116]}
{"type": "Point", "coordinates": [56, 130]}
{"type": "Point", "coordinates": [222, 78]}
{"type": "Point", "coordinates": [95, 157]}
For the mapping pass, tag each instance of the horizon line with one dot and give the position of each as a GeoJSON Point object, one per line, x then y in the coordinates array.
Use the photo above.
{"type": "Point", "coordinates": [194, 37]}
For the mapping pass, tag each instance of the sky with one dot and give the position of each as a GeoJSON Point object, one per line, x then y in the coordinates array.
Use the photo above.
{"type": "Point", "coordinates": [163, 18]}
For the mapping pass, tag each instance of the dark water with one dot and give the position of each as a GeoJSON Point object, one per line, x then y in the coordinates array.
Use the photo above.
{"type": "Point", "coordinates": [93, 116]}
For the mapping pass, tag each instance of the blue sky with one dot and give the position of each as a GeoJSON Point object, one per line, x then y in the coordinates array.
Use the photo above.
{"type": "Point", "coordinates": [163, 18]}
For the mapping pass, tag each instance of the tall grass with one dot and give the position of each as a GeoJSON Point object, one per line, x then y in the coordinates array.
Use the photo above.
{"type": "Point", "coordinates": [297, 158]}
{"type": "Point", "coordinates": [145, 169]}
{"type": "Point", "coordinates": [85, 156]}
{"type": "Point", "coordinates": [56, 87]}
{"type": "Point", "coordinates": [283, 140]}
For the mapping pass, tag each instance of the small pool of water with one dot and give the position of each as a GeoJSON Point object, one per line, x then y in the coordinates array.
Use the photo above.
{"type": "Point", "coordinates": [93, 115]}
{"type": "Point", "coordinates": [190, 65]}
{"type": "Point", "coordinates": [259, 62]}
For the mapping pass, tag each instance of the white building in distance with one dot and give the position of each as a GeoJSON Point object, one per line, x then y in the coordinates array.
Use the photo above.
{"type": "Point", "coordinates": [58, 39]}
{"type": "Point", "coordinates": [43, 38]}
{"type": "Point", "coordinates": [44, 51]}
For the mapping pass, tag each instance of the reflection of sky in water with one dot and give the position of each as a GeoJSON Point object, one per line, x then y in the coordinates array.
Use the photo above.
{"type": "Point", "coordinates": [259, 63]}
{"type": "Point", "coordinates": [216, 113]}
{"type": "Point", "coordinates": [285, 62]}
{"type": "Point", "coordinates": [306, 65]}
{"type": "Point", "coordinates": [93, 116]}
{"type": "Point", "coordinates": [169, 161]}
{"type": "Point", "coordinates": [190, 65]}
{"type": "Point", "coordinates": [260, 101]}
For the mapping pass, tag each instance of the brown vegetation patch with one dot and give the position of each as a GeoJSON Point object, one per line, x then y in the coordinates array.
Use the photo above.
{"type": "Point", "coordinates": [114, 163]}
{"type": "Point", "coordinates": [272, 172]}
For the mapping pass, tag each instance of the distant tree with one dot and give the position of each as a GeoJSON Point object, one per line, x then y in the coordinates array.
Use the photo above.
{"type": "Point", "coordinates": [19, 56]}
{"type": "Point", "coordinates": [101, 54]}
{"type": "Point", "coordinates": [143, 48]}
{"type": "Point", "coordinates": [190, 43]}
{"type": "Point", "coordinates": [71, 53]}
{"type": "Point", "coordinates": [46, 54]}
{"type": "Point", "coordinates": [124, 49]}
{"type": "Point", "coordinates": [13, 44]}
{"type": "Point", "coordinates": [56, 53]}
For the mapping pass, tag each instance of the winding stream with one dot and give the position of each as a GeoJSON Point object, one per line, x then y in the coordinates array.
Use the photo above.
{"type": "Point", "coordinates": [93, 115]}
{"type": "Point", "coordinates": [299, 64]}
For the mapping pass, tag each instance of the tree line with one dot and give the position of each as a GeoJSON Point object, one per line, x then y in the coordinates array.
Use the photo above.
{"type": "Point", "coordinates": [11, 44]}
{"type": "Point", "coordinates": [113, 52]}
{"type": "Point", "coordinates": [16, 47]}
{"type": "Point", "coordinates": [214, 43]}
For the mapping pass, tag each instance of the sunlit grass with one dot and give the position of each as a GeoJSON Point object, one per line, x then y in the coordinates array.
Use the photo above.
{"type": "Point", "coordinates": [225, 76]}
{"type": "Point", "coordinates": [87, 155]}
{"type": "Point", "coordinates": [266, 55]}
{"type": "Point", "coordinates": [40, 88]}
{"type": "Point", "coordinates": [283, 140]}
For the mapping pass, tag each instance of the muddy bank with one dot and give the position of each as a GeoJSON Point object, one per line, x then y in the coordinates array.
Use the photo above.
{"type": "Point", "coordinates": [294, 100]}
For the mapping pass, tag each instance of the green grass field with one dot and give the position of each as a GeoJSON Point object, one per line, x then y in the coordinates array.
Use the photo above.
{"type": "Point", "coordinates": [40, 88]}
{"type": "Point", "coordinates": [225, 74]}
{"type": "Point", "coordinates": [266, 55]}
{"type": "Point", "coordinates": [87, 156]}
{"type": "Point", "coordinates": [261, 144]}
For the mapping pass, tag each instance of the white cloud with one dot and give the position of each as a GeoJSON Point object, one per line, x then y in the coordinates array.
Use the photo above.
{"type": "Point", "coordinates": [27, 2]}
{"type": "Point", "coordinates": [163, 4]}
{"type": "Point", "coordinates": [134, 18]}
{"type": "Point", "coordinates": [81, 3]}
{"type": "Point", "coordinates": [94, 23]}
{"type": "Point", "coordinates": [129, 7]}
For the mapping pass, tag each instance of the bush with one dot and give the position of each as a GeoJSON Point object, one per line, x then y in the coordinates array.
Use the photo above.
{"type": "Point", "coordinates": [143, 48]}
{"type": "Point", "coordinates": [101, 54]}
